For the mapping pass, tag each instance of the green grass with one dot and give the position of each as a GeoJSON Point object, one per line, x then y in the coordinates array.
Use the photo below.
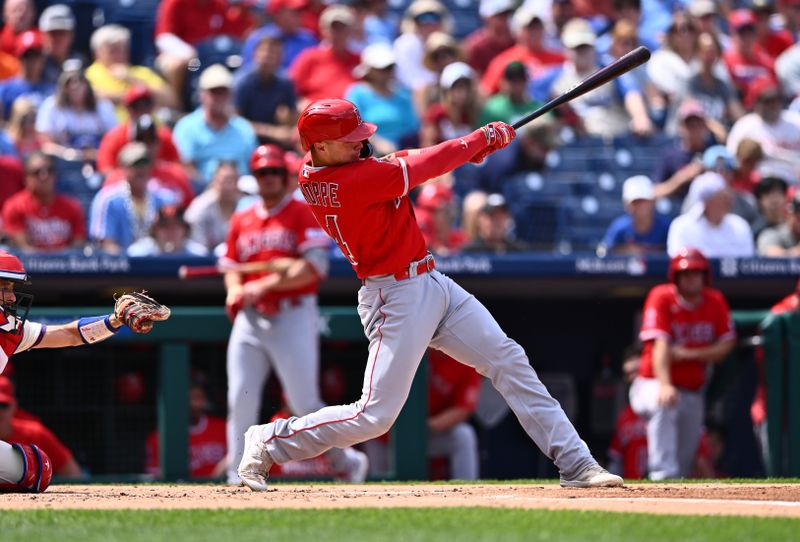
{"type": "Point", "coordinates": [361, 525]}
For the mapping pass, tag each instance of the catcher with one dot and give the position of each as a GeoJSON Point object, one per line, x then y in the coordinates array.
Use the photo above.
{"type": "Point", "coordinates": [25, 467]}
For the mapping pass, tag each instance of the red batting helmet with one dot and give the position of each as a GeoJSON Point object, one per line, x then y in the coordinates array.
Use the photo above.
{"type": "Point", "coordinates": [434, 196]}
{"type": "Point", "coordinates": [11, 268]}
{"type": "Point", "coordinates": [332, 119]}
{"type": "Point", "coordinates": [267, 156]}
{"type": "Point", "coordinates": [689, 259]}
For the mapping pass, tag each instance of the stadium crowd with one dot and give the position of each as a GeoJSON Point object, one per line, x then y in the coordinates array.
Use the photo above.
{"type": "Point", "coordinates": [106, 125]}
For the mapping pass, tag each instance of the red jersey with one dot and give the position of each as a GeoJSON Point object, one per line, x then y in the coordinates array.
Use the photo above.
{"type": "Point", "coordinates": [207, 447]}
{"type": "Point", "coordinates": [120, 135]}
{"type": "Point", "coordinates": [14, 340]}
{"type": "Point", "coordinates": [629, 444]}
{"type": "Point", "coordinates": [667, 315]}
{"type": "Point", "coordinates": [169, 176]}
{"type": "Point", "coordinates": [28, 431]}
{"type": "Point", "coordinates": [13, 175]}
{"type": "Point", "coordinates": [8, 39]}
{"type": "Point", "coordinates": [776, 42]}
{"type": "Point", "coordinates": [260, 235]}
{"type": "Point", "coordinates": [47, 227]}
{"type": "Point", "coordinates": [451, 384]}
{"type": "Point", "coordinates": [790, 303]}
{"type": "Point", "coordinates": [534, 61]}
{"type": "Point", "coordinates": [364, 205]}
{"type": "Point", "coordinates": [746, 70]}
{"type": "Point", "coordinates": [318, 72]}
{"type": "Point", "coordinates": [194, 21]}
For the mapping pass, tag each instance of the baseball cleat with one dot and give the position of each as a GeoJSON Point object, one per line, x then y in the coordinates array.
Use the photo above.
{"type": "Point", "coordinates": [357, 468]}
{"type": "Point", "coordinates": [594, 476]}
{"type": "Point", "coordinates": [254, 467]}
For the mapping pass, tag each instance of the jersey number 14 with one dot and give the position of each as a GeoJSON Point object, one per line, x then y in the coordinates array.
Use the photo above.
{"type": "Point", "coordinates": [332, 227]}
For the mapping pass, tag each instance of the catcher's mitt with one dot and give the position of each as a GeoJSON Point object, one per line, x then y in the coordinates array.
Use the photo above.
{"type": "Point", "coordinates": [138, 311]}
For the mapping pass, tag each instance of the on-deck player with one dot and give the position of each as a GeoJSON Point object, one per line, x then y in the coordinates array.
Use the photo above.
{"type": "Point", "coordinates": [25, 467]}
{"type": "Point", "coordinates": [405, 305]}
{"type": "Point", "coordinates": [275, 314]}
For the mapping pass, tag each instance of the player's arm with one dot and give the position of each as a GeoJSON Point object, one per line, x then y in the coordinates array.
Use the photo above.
{"type": "Point", "coordinates": [448, 418]}
{"type": "Point", "coordinates": [303, 271]}
{"type": "Point", "coordinates": [79, 332]}
{"type": "Point", "coordinates": [667, 394]}
{"type": "Point", "coordinates": [713, 353]}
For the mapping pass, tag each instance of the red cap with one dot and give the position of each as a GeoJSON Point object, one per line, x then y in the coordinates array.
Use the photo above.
{"type": "Point", "coordinates": [434, 196]}
{"type": "Point", "coordinates": [268, 156]}
{"type": "Point", "coordinates": [741, 17]}
{"type": "Point", "coordinates": [136, 93]}
{"type": "Point", "coordinates": [760, 86]}
{"type": "Point", "coordinates": [29, 41]}
{"type": "Point", "coordinates": [275, 6]}
{"type": "Point", "coordinates": [332, 119]}
{"type": "Point", "coordinates": [7, 391]}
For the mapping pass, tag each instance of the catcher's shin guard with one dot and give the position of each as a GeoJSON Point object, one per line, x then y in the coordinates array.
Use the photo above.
{"type": "Point", "coordinates": [36, 471]}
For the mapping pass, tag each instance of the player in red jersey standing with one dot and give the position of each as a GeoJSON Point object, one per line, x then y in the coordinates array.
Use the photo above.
{"type": "Point", "coordinates": [405, 305]}
{"type": "Point", "coordinates": [686, 327]}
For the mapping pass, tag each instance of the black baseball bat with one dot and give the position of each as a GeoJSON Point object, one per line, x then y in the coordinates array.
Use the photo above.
{"type": "Point", "coordinates": [623, 64]}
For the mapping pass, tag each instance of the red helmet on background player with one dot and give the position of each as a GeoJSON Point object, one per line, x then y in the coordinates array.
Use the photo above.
{"type": "Point", "coordinates": [11, 269]}
{"type": "Point", "coordinates": [434, 196]}
{"type": "Point", "coordinates": [689, 259]}
{"type": "Point", "coordinates": [332, 119]}
{"type": "Point", "coordinates": [269, 157]}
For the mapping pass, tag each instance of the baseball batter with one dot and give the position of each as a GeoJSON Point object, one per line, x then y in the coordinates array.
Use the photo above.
{"type": "Point", "coordinates": [405, 305]}
{"type": "Point", "coordinates": [686, 327]}
{"type": "Point", "coordinates": [275, 314]}
{"type": "Point", "coordinates": [25, 467]}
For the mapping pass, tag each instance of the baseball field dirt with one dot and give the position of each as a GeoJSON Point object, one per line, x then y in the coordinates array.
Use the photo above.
{"type": "Point", "coordinates": [756, 499]}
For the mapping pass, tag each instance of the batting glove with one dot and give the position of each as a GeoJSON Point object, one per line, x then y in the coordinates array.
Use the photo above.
{"type": "Point", "coordinates": [498, 134]}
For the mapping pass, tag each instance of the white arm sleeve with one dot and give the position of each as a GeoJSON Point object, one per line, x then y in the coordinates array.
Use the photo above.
{"type": "Point", "coordinates": [32, 333]}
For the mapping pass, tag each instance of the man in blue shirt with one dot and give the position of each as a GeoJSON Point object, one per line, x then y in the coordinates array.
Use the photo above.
{"type": "Point", "coordinates": [286, 23]}
{"type": "Point", "coordinates": [29, 83]}
{"type": "Point", "coordinates": [641, 230]}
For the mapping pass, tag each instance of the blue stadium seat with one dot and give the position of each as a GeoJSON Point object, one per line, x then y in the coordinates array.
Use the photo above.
{"type": "Point", "coordinates": [540, 224]}
{"type": "Point", "coordinates": [634, 155]}
{"type": "Point", "coordinates": [587, 218]}
{"type": "Point", "coordinates": [581, 155]}
{"type": "Point", "coordinates": [217, 50]}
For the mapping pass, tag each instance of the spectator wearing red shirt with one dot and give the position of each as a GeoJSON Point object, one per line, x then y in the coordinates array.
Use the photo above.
{"type": "Point", "coordinates": [13, 174]}
{"type": "Point", "coordinates": [528, 28]}
{"type": "Point", "coordinates": [18, 16]}
{"type": "Point", "coordinates": [453, 390]}
{"type": "Point", "coordinates": [37, 218]}
{"type": "Point", "coordinates": [182, 24]}
{"type": "Point", "coordinates": [773, 41]}
{"type": "Point", "coordinates": [207, 441]}
{"type": "Point", "coordinates": [685, 328]}
{"type": "Point", "coordinates": [493, 37]}
{"type": "Point", "coordinates": [29, 430]}
{"type": "Point", "coordinates": [435, 210]}
{"type": "Point", "coordinates": [138, 100]}
{"type": "Point", "coordinates": [745, 58]}
{"type": "Point", "coordinates": [326, 71]}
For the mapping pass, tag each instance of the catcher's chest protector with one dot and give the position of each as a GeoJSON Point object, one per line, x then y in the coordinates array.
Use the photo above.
{"type": "Point", "coordinates": [10, 337]}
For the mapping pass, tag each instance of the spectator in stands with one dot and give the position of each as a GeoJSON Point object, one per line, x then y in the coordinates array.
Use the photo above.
{"type": "Point", "coordinates": [774, 128]}
{"type": "Point", "coordinates": [513, 101]}
{"type": "Point", "coordinates": [709, 225]}
{"type": "Point", "coordinates": [12, 174]}
{"type": "Point", "coordinates": [783, 240]}
{"type": "Point", "coordinates": [286, 26]}
{"type": "Point", "coordinates": [183, 24]}
{"type": "Point", "coordinates": [704, 15]}
{"type": "Point", "coordinates": [207, 441]}
{"type": "Point", "coordinates": [493, 37]}
{"type": "Point", "coordinates": [787, 69]}
{"type": "Point", "coordinates": [14, 428]}
{"type": "Point", "coordinates": [640, 230]}
{"type": "Point", "coordinates": [382, 100]}
{"type": "Point", "coordinates": [770, 193]}
{"type": "Point", "coordinates": [494, 227]}
{"type": "Point", "coordinates": [73, 121]}
{"type": "Point", "coordinates": [210, 213]}
{"type": "Point", "coordinates": [528, 28]}
{"type": "Point", "coordinates": [379, 25]}
{"type": "Point", "coordinates": [772, 40]}
{"type": "Point", "coordinates": [57, 25]}
{"type": "Point", "coordinates": [456, 114]}
{"type": "Point", "coordinates": [138, 102]}
{"type": "Point", "coordinates": [29, 83]}
{"type": "Point", "coordinates": [19, 16]}
{"type": "Point", "coordinates": [21, 127]}
{"type": "Point", "coordinates": [326, 70]}
{"type": "Point", "coordinates": [211, 132]}
{"type": "Point", "coordinates": [711, 88]}
{"type": "Point", "coordinates": [745, 58]}
{"type": "Point", "coordinates": [435, 212]}
{"type": "Point", "coordinates": [683, 161]}
{"type": "Point", "coordinates": [441, 50]}
{"type": "Point", "coordinates": [749, 155]}
{"type": "Point", "coordinates": [560, 12]}
{"type": "Point", "coordinates": [111, 74]}
{"type": "Point", "coordinates": [671, 65]}
{"type": "Point", "coordinates": [266, 98]}
{"type": "Point", "coordinates": [169, 235]}
{"type": "Point", "coordinates": [717, 158]}
{"type": "Point", "coordinates": [124, 212]}
{"type": "Point", "coordinates": [421, 19]}
{"type": "Point", "coordinates": [39, 219]}
{"type": "Point", "coordinates": [789, 11]}
{"type": "Point", "coordinates": [165, 175]}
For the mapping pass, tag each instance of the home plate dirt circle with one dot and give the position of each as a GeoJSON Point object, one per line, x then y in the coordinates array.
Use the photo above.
{"type": "Point", "coordinates": [773, 500]}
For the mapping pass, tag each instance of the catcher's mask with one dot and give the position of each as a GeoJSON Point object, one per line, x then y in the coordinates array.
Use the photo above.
{"type": "Point", "coordinates": [11, 270]}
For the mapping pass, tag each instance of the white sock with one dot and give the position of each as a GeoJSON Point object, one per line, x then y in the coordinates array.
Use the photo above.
{"type": "Point", "coordinates": [10, 464]}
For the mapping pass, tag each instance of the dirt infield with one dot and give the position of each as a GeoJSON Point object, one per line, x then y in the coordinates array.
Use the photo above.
{"type": "Point", "coordinates": [777, 500]}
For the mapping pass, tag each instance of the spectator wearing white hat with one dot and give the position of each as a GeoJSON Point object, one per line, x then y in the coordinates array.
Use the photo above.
{"type": "Point", "coordinates": [382, 100]}
{"type": "Point", "coordinates": [420, 20]}
{"type": "Point", "coordinates": [493, 37]}
{"type": "Point", "coordinates": [57, 25]}
{"type": "Point", "coordinates": [456, 113]}
{"type": "Point", "coordinates": [709, 225]}
{"type": "Point", "coordinates": [641, 229]}
{"type": "Point", "coordinates": [212, 132]}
